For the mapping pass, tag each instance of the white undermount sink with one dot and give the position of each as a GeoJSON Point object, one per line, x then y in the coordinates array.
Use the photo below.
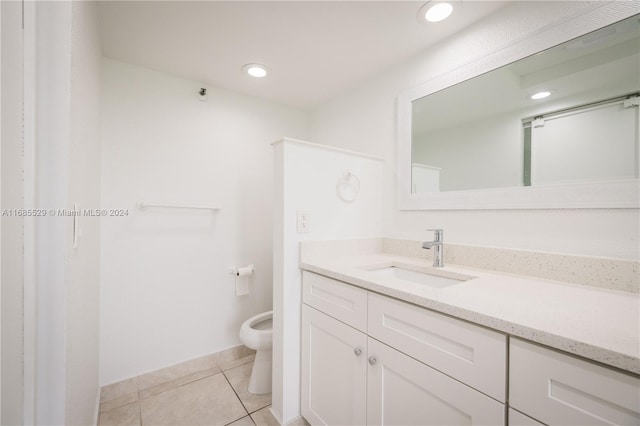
{"type": "Point", "coordinates": [418, 277]}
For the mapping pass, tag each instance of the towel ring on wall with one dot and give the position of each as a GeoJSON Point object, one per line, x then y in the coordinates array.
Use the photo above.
{"type": "Point", "coordinates": [348, 186]}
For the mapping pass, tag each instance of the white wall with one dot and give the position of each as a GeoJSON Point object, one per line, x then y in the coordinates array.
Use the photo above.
{"type": "Point", "coordinates": [365, 120]}
{"type": "Point", "coordinates": [83, 262]}
{"type": "Point", "coordinates": [53, 87]}
{"type": "Point", "coordinates": [12, 227]}
{"type": "Point", "coordinates": [498, 142]}
{"type": "Point", "coordinates": [67, 171]}
{"type": "Point", "coordinates": [306, 177]}
{"type": "Point", "coordinates": [166, 292]}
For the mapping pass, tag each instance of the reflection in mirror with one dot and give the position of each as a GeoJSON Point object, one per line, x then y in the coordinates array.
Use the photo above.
{"type": "Point", "coordinates": [488, 132]}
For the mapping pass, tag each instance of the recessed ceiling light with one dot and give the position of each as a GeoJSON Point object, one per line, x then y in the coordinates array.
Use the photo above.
{"type": "Point", "coordinates": [436, 12]}
{"type": "Point", "coordinates": [540, 95]}
{"type": "Point", "coordinates": [256, 70]}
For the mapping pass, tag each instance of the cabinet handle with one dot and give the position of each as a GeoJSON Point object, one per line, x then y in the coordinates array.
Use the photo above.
{"type": "Point", "coordinates": [357, 351]}
{"type": "Point", "coordinates": [372, 360]}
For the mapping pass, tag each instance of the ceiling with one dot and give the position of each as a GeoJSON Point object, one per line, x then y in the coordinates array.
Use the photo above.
{"type": "Point", "coordinates": [316, 50]}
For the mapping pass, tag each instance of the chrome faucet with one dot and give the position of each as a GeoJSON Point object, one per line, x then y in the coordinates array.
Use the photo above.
{"type": "Point", "coordinates": [437, 243]}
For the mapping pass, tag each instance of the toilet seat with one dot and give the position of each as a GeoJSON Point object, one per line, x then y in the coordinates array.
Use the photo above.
{"type": "Point", "coordinates": [260, 318]}
{"type": "Point", "coordinates": [257, 338]}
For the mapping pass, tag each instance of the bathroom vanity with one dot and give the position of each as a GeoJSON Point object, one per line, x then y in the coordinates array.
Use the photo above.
{"type": "Point", "coordinates": [388, 339]}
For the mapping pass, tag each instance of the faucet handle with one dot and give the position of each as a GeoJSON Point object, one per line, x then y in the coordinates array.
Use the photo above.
{"type": "Point", "coordinates": [438, 233]}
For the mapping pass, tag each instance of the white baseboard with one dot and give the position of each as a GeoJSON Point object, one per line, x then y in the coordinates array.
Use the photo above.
{"type": "Point", "coordinates": [298, 421]}
{"type": "Point", "coordinates": [276, 416]}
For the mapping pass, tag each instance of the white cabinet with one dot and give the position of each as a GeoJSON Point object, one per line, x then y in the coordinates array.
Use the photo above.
{"type": "Point", "coordinates": [334, 365]}
{"type": "Point", "coordinates": [349, 378]}
{"type": "Point", "coordinates": [559, 389]}
{"type": "Point", "coordinates": [403, 391]}
{"type": "Point", "coordinates": [370, 359]}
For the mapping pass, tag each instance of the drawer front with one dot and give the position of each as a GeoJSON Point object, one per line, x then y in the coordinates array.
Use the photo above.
{"type": "Point", "coordinates": [516, 418]}
{"type": "Point", "coordinates": [337, 299]}
{"type": "Point", "coordinates": [471, 354]}
{"type": "Point", "coordinates": [560, 389]}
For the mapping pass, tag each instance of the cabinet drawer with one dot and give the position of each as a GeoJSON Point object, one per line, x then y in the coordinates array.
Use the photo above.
{"type": "Point", "coordinates": [337, 299]}
{"type": "Point", "coordinates": [471, 354]}
{"type": "Point", "coordinates": [561, 389]}
{"type": "Point", "coordinates": [518, 419]}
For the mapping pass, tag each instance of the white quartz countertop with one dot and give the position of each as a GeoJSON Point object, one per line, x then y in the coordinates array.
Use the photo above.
{"type": "Point", "coordinates": [599, 324]}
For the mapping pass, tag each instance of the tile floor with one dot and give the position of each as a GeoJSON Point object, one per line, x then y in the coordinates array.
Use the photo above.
{"type": "Point", "coordinates": [206, 391]}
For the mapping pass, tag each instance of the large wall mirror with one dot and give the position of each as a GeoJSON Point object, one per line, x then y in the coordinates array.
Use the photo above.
{"type": "Point", "coordinates": [556, 129]}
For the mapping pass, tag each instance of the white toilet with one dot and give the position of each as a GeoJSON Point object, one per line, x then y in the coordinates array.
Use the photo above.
{"type": "Point", "coordinates": [257, 333]}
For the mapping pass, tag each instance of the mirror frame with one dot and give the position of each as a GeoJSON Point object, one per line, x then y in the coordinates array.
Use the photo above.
{"type": "Point", "coordinates": [612, 194]}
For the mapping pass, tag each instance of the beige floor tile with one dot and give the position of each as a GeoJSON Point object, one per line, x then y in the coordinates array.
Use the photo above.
{"type": "Point", "coordinates": [238, 362]}
{"type": "Point", "coordinates": [119, 389]}
{"type": "Point", "coordinates": [239, 379]}
{"type": "Point", "coordinates": [146, 393]}
{"type": "Point", "coordinates": [128, 415]}
{"type": "Point", "coordinates": [245, 421]}
{"type": "Point", "coordinates": [119, 402]}
{"type": "Point", "coordinates": [209, 401]}
{"type": "Point", "coordinates": [263, 417]}
{"type": "Point", "coordinates": [234, 353]}
{"type": "Point", "coordinates": [174, 372]}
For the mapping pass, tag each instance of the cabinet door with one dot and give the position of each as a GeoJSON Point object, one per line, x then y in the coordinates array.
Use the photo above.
{"type": "Point", "coordinates": [518, 419]}
{"type": "Point", "coordinates": [403, 391]}
{"type": "Point", "coordinates": [334, 376]}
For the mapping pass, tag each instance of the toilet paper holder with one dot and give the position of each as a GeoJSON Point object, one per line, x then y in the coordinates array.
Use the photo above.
{"type": "Point", "coordinates": [239, 271]}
